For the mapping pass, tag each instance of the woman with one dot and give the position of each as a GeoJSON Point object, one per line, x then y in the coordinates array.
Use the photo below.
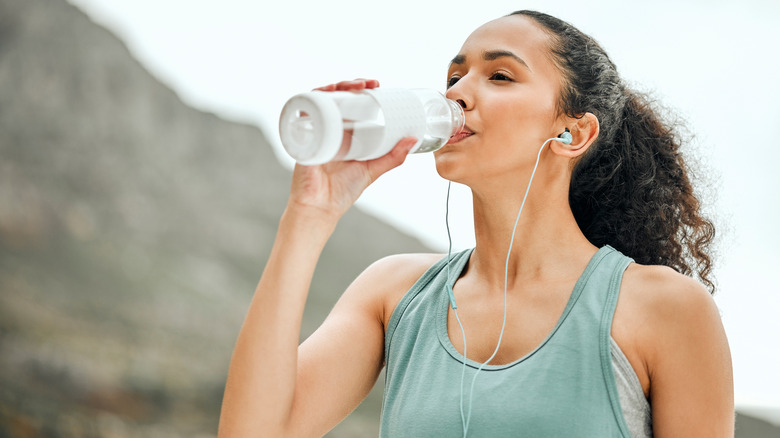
{"type": "Point", "coordinates": [591, 344]}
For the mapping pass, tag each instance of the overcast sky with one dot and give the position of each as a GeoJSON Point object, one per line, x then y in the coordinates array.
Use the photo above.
{"type": "Point", "coordinates": [714, 62]}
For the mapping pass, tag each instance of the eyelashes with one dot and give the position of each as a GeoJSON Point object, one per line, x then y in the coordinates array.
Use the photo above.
{"type": "Point", "coordinates": [496, 76]}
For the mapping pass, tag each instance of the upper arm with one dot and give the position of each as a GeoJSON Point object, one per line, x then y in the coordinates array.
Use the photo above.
{"type": "Point", "coordinates": [687, 356]}
{"type": "Point", "coordinates": [340, 362]}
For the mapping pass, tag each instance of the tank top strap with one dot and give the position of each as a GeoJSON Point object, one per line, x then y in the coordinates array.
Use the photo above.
{"type": "Point", "coordinates": [433, 281]}
{"type": "Point", "coordinates": [596, 295]}
{"type": "Point", "coordinates": [617, 263]}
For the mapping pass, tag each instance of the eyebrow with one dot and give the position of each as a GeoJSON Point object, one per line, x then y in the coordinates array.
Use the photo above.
{"type": "Point", "coordinates": [491, 55]}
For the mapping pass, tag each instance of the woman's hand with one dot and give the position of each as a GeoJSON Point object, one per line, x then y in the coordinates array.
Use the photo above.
{"type": "Point", "coordinates": [354, 85]}
{"type": "Point", "coordinates": [271, 397]}
{"type": "Point", "coordinates": [333, 187]}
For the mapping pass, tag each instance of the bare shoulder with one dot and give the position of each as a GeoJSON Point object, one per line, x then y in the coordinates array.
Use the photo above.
{"type": "Point", "coordinates": [414, 264]}
{"type": "Point", "coordinates": [676, 342]}
{"type": "Point", "coordinates": [386, 281]}
{"type": "Point", "coordinates": [661, 307]}
{"type": "Point", "coordinates": [398, 273]}
{"type": "Point", "coordinates": [663, 283]}
{"type": "Point", "coordinates": [666, 296]}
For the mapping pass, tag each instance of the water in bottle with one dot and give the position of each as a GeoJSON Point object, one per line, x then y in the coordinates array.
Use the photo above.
{"type": "Point", "coordinates": [318, 126]}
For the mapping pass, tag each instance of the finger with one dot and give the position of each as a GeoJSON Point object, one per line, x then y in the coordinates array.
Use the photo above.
{"type": "Point", "coordinates": [370, 83]}
{"type": "Point", "coordinates": [329, 87]}
{"type": "Point", "coordinates": [354, 85]}
{"type": "Point", "coordinates": [357, 84]}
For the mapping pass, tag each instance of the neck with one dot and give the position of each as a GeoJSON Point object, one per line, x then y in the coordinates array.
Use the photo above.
{"type": "Point", "coordinates": [547, 240]}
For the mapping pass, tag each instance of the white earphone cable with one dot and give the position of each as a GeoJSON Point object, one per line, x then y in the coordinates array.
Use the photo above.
{"type": "Point", "coordinates": [465, 420]}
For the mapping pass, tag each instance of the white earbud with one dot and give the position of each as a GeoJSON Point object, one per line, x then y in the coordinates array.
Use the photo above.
{"type": "Point", "coordinates": [565, 137]}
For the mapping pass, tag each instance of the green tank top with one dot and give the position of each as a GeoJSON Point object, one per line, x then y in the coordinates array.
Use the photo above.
{"type": "Point", "coordinates": [563, 388]}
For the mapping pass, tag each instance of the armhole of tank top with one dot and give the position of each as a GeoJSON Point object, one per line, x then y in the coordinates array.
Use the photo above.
{"type": "Point", "coordinates": [418, 286]}
{"type": "Point", "coordinates": [605, 344]}
{"type": "Point", "coordinates": [632, 398]}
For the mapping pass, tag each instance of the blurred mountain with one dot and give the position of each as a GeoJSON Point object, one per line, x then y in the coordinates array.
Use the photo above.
{"type": "Point", "coordinates": [133, 230]}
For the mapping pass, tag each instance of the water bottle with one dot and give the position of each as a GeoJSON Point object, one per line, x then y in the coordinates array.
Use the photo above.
{"type": "Point", "coordinates": [318, 126]}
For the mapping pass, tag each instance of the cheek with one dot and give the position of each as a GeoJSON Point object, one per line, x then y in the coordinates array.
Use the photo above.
{"type": "Point", "coordinates": [529, 115]}
{"type": "Point", "coordinates": [514, 120]}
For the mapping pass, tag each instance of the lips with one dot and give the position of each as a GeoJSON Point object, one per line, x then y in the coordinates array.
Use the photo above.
{"type": "Point", "coordinates": [462, 134]}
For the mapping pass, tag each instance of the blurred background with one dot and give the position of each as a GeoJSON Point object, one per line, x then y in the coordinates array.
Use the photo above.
{"type": "Point", "coordinates": [141, 180]}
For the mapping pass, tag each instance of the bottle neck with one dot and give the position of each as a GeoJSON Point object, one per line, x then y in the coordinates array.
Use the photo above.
{"type": "Point", "coordinates": [458, 116]}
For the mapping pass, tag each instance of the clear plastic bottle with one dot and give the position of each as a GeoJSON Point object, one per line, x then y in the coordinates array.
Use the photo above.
{"type": "Point", "coordinates": [318, 126]}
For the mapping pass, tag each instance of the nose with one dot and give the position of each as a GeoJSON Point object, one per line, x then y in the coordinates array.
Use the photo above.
{"type": "Point", "coordinates": [459, 93]}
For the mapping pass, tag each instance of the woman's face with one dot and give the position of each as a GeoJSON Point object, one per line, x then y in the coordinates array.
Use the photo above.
{"type": "Point", "coordinates": [508, 85]}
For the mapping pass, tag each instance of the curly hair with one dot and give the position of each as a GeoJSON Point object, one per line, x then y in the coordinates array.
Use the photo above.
{"type": "Point", "coordinates": [631, 190]}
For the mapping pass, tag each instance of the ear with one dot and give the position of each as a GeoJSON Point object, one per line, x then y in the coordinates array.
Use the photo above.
{"type": "Point", "coordinates": [584, 131]}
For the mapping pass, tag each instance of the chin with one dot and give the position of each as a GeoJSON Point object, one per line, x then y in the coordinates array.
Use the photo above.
{"type": "Point", "coordinates": [448, 166]}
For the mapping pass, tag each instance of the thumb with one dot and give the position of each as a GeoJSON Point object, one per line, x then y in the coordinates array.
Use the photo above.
{"type": "Point", "coordinates": [392, 159]}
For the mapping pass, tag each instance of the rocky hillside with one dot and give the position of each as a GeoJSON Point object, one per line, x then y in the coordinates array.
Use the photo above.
{"type": "Point", "coordinates": [132, 232]}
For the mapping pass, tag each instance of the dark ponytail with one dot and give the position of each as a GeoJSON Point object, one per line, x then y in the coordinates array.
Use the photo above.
{"type": "Point", "coordinates": [631, 190]}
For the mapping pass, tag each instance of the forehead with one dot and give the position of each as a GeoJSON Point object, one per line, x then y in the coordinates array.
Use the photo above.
{"type": "Point", "coordinates": [515, 33]}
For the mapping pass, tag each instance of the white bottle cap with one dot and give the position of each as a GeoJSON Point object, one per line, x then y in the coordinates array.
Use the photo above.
{"type": "Point", "coordinates": [310, 128]}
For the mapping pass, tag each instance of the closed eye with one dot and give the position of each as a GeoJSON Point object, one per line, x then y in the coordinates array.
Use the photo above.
{"type": "Point", "coordinates": [494, 77]}
{"type": "Point", "coordinates": [500, 77]}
